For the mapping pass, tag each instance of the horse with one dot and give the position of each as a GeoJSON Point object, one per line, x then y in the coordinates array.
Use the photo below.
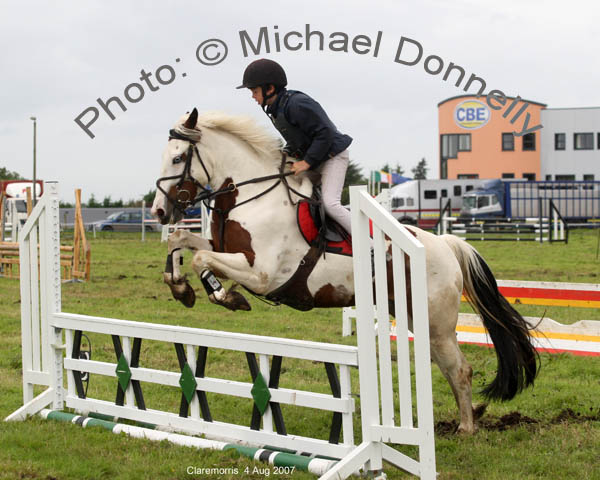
{"type": "Point", "coordinates": [257, 244]}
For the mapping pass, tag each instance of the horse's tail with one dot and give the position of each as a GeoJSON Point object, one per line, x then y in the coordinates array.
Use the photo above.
{"type": "Point", "coordinates": [517, 358]}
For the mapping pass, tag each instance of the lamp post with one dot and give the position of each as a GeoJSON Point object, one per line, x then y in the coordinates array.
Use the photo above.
{"type": "Point", "coordinates": [34, 155]}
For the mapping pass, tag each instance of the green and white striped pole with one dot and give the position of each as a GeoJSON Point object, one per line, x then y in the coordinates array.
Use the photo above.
{"type": "Point", "coordinates": [318, 466]}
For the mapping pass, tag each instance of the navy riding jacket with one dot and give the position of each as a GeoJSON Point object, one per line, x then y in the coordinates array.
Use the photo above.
{"type": "Point", "coordinates": [307, 115]}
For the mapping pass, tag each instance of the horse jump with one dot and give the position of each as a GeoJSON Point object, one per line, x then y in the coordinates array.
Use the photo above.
{"type": "Point", "coordinates": [378, 392]}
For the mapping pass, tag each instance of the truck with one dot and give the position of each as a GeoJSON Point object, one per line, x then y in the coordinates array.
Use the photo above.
{"type": "Point", "coordinates": [419, 200]}
{"type": "Point", "coordinates": [14, 211]}
{"type": "Point", "coordinates": [574, 200]}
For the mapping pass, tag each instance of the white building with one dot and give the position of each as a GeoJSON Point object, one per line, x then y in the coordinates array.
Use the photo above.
{"type": "Point", "coordinates": [570, 144]}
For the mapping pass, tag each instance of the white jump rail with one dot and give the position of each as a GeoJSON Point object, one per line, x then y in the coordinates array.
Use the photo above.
{"type": "Point", "coordinates": [386, 409]}
{"type": "Point", "coordinates": [203, 224]}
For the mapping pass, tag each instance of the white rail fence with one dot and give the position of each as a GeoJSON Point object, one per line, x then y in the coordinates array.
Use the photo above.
{"type": "Point", "coordinates": [387, 393]}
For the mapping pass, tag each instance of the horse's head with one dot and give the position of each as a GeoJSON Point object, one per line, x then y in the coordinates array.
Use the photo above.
{"type": "Point", "coordinates": [182, 173]}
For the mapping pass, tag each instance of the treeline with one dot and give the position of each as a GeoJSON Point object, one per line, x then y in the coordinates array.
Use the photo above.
{"type": "Point", "coordinates": [108, 202]}
{"type": "Point", "coordinates": [419, 172]}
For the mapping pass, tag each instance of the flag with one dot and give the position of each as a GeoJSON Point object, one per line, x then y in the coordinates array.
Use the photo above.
{"type": "Point", "coordinates": [382, 177]}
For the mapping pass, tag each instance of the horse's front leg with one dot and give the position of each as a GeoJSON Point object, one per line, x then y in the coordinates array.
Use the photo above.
{"type": "Point", "coordinates": [180, 287]}
{"type": "Point", "coordinates": [233, 266]}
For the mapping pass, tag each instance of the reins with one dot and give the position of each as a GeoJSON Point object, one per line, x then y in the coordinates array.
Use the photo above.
{"type": "Point", "coordinates": [183, 198]}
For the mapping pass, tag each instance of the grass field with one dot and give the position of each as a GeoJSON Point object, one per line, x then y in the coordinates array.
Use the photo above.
{"type": "Point", "coordinates": [549, 432]}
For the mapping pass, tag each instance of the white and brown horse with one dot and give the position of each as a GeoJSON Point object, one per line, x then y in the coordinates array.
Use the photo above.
{"type": "Point", "coordinates": [257, 243]}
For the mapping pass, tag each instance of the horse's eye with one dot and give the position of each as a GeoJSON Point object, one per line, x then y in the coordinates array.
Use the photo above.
{"type": "Point", "coordinates": [177, 159]}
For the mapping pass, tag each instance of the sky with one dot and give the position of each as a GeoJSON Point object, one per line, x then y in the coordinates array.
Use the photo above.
{"type": "Point", "coordinates": [58, 58]}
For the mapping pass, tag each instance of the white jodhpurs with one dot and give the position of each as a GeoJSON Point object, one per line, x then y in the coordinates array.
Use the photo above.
{"type": "Point", "coordinates": [333, 174]}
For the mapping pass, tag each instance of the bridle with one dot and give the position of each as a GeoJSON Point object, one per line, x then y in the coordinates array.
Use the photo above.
{"type": "Point", "coordinates": [187, 186]}
{"type": "Point", "coordinates": [186, 189]}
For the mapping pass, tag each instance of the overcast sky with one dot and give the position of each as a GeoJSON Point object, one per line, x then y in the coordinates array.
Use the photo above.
{"type": "Point", "coordinates": [59, 57]}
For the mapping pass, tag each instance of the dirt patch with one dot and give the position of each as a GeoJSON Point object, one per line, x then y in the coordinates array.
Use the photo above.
{"type": "Point", "coordinates": [569, 416]}
{"type": "Point", "coordinates": [512, 419]}
{"type": "Point", "coordinates": [516, 419]}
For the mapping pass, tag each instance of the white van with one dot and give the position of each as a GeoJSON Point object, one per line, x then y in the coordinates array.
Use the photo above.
{"type": "Point", "coordinates": [420, 199]}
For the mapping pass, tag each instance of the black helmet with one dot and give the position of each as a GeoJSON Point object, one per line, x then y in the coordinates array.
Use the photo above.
{"type": "Point", "coordinates": [264, 72]}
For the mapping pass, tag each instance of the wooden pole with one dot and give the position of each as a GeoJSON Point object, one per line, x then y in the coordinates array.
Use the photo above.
{"type": "Point", "coordinates": [2, 216]}
{"type": "Point", "coordinates": [28, 201]}
{"type": "Point", "coordinates": [81, 249]}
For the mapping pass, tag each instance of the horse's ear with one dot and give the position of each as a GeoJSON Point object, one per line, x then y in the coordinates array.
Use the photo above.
{"type": "Point", "coordinates": [192, 119]}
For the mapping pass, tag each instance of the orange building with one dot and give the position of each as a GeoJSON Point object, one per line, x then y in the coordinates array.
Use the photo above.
{"type": "Point", "coordinates": [491, 136]}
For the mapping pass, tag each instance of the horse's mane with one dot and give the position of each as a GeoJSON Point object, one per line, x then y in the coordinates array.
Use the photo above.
{"type": "Point", "coordinates": [243, 127]}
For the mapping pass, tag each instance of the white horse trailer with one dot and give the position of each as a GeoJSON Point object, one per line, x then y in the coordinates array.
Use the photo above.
{"type": "Point", "coordinates": [420, 199]}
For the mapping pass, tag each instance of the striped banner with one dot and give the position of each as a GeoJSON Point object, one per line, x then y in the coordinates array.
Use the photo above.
{"type": "Point", "coordinates": [583, 295]}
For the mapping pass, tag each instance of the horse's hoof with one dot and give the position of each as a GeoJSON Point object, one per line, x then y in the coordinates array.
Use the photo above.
{"type": "Point", "coordinates": [237, 301]}
{"type": "Point", "coordinates": [184, 293]}
{"type": "Point", "coordinates": [466, 430]}
{"type": "Point", "coordinates": [232, 301]}
{"type": "Point", "coordinates": [189, 296]}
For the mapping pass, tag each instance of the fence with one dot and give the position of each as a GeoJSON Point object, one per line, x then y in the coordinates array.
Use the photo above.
{"type": "Point", "coordinates": [43, 325]}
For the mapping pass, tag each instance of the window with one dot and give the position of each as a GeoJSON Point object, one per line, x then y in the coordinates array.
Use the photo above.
{"type": "Point", "coordinates": [468, 188]}
{"type": "Point", "coordinates": [529, 176]}
{"type": "Point", "coordinates": [430, 194]}
{"type": "Point", "coordinates": [397, 202]}
{"type": "Point", "coordinates": [583, 141]}
{"type": "Point", "coordinates": [457, 190]}
{"type": "Point", "coordinates": [508, 142]}
{"type": "Point", "coordinates": [508, 175]}
{"type": "Point", "coordinates": [560, 140]}
{"type": "Point", "coordinates": [588, 176]}
{"type": "Point", "coordinates": [483, 201]}
{"type": "Point", "coordinates": [598, 141]}
{"type": "Point", "coordinates": [564, 177]}
{"type": "Point", "coordinates": [444, 193]}
{"type": "Point", "coordinates": [548, 177]}
{"type": "Point", "coordinates": [466, 176]}
{"type": "Point", "coordinates": [410, 202]}
{"type": "Point", "coordinates": [529, 142]}
{"type": "Point", "coordinates": [136, 217]}
{"type": "Point", "coordinates": [464, 142]}
{"type": "Point", "coordinates": [454, 143]}
{"type": "Point", "coordinates": [449, 146]}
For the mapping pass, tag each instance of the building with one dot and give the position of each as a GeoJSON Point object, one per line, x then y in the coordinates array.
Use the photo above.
{"type": "Point", "coordinates": [495, 136]}
{"type": "Point", "coordinates": [570, 144]}
{"type": "Point", "coordinates": [479, 137]}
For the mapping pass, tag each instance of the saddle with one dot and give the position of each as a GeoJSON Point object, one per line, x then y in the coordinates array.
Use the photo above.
{"type": "Point", "coordinates": [318, 229]}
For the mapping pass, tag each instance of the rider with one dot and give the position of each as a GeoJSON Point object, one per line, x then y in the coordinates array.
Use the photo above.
{"type": "Point", "coordinates": [311, 137]}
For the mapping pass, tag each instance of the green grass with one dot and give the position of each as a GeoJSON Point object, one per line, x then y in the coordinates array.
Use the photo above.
{"type": "Point", "coordinates": [559, 441]}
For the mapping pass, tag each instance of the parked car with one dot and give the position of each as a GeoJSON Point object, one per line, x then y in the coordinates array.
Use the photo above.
{"type": "Point", "coordinates": [127, 222]}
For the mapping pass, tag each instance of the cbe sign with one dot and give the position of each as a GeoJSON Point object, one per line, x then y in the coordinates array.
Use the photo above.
{"type": "Point", "coordinates": [471, 114]}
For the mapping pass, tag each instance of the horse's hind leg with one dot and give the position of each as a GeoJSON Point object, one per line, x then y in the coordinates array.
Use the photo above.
{"type": "Point", "coordinates": [446, 354]}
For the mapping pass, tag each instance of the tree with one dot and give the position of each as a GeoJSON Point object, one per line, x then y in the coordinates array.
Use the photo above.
{"type": "Point", "coordinates": [354, 176]}
{"type": "Point", "coordinates": [149, 197]}
{"type": "Point", "coordinates": [6, 174]}
{"type": "Point", "coordinates": [399, 169]}
{"type": "Point", "coordinates": [420, 171]}
{"type": "Point", "coordinates": [93, 203]}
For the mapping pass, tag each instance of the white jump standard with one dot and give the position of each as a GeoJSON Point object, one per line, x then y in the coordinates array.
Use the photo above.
{"type": "Point", "coordinates": [46, 357]}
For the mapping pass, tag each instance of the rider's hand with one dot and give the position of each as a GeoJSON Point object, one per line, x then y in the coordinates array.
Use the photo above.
{"type": "Point", "coordinates": [300, 166]}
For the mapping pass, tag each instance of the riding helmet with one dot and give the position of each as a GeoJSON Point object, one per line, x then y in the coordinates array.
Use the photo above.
{"type": "Point", "coordinates": [264, 72]}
